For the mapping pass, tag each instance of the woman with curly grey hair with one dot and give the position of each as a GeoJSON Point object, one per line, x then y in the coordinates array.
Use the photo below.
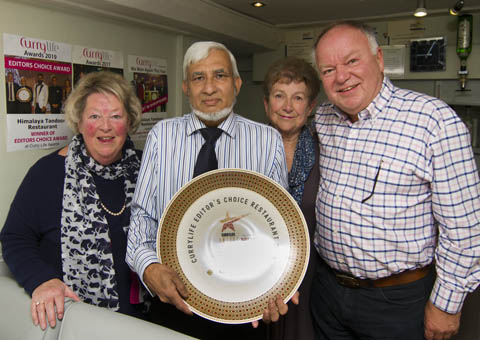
{"type": "Point", "coordinates": [290, 88]}
{"type": "Point", "coordinates": [65, 233]}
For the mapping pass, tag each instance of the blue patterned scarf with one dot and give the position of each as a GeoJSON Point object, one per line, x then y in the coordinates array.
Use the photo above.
{"type": "Point", "coordinates": [87, 259]}
{"type": "Point", "coordinates": [303, 161]}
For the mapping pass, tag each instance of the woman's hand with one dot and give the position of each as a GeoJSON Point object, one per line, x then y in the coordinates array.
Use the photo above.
{"type": "Point", "coordinates": [48, 298]}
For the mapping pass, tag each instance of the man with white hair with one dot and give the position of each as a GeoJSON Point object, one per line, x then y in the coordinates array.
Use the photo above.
{"type": "Point", "coordinates": [398, 210]}
{"type": "Point", "coordinates": [211, 81]}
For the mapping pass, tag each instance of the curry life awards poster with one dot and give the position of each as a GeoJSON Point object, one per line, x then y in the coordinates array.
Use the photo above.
{"type": "Point", "coordinates": [36, 74]}
{"type": "Point", "coordinates": [87, 59]}
{"type": "Point", "coordinates": [149, 80]}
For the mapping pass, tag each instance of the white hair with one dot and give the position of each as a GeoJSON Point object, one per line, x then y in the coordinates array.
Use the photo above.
{"type": "Point", "coordinates": [369, 32]}
{"type": "Point", "coordinates": [372, 41]}
{"type": "Point", "coordinates": [213, 116]}
{"type": "Point", "coordinates": [200, 50]}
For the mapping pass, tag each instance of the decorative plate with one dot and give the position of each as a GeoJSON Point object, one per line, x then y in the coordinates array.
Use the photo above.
{"type": "Point", "coordinates": [24, 95]}
{"type": "Point", "coordinates": [237, 239]}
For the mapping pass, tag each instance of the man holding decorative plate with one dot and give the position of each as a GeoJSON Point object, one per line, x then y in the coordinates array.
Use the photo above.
{"type": "Point", "coordinates": [182, 148]}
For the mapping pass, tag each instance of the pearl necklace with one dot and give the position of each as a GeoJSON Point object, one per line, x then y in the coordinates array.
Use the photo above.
{"type": "Point", "coordinates": [111, 212]}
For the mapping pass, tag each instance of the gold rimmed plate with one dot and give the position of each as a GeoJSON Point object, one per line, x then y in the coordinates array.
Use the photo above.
{"type": "Point", "coordinates": [237, 239]}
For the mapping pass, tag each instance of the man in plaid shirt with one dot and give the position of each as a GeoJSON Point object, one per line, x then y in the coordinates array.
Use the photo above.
{"type": "Point", "coordinates": [398, 207]}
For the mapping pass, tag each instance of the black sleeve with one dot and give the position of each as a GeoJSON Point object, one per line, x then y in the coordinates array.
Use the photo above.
{"type": "Point", "coordinates": [31, 234]}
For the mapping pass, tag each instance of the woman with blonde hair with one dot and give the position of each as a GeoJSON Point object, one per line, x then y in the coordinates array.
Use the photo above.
{"type": "Point", "coordinates": [65, 233]}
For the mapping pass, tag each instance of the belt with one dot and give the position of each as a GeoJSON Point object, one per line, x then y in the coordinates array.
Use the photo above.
{"type": "Point", "coordinates": [404, 277]}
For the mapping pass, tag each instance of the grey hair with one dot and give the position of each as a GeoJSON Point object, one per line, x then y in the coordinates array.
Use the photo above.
{"type": "Point", "coordinates": [200, 50]}
{"type": "Point", "coordinates": [369, 32]}
{"type": "Point", "coordinates": [104, 82]}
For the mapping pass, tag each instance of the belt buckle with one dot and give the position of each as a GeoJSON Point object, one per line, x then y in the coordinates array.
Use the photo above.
{"type": "Point", "coordinates": [347, 281]}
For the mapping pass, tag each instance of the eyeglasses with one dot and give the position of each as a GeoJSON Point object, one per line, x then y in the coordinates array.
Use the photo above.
{"type": "Point", "coordinates": [374, 183]}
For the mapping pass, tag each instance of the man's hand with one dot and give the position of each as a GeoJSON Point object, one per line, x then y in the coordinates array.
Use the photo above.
{"type": "Point", "coordinates": [47, 299]}
{"type": "Point", "coordinates": [276, 308]}
{"type": "Point", "coordinates": [440, 325]}
{"type": "Point", "coordinates": [167, 285]}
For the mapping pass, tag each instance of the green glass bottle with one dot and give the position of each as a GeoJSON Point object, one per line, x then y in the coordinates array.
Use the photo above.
{"type": "Point", "coordinates": [464, 46]}
{"type": "Point", "coordinates": [464, 35]}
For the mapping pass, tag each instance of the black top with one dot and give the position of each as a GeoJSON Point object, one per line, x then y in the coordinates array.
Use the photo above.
{"type": "Point", "coordinates": [297, 323]}
{"type": "Point", "coordinates": [55, 95]}
{"type": "Point", "coordinates": [31, 235]}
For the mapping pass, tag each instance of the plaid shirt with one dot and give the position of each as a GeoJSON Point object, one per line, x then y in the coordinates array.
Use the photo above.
{"type": "Point", "coordinates": [399, 187]}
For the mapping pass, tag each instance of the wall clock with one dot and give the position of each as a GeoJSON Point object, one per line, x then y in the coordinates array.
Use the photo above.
{"type": "Point", "coordinates": [428, 55]}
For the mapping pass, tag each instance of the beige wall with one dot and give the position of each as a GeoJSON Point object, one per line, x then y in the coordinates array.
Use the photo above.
{"type": "Point", "coordinates": [75, 29]}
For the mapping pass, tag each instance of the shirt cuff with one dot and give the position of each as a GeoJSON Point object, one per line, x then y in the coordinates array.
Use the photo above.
{"type": "Point", "coordinates": [142, 259]}
{"type": "Point", "coordinates": [446, 299]}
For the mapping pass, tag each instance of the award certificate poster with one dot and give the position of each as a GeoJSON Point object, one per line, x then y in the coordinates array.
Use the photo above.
{"type": "Point", "coordinates": [299, 44]}
{"type": "Point", "coordinates": [149, 80]}
{"type": "Point", "coordinates": [394, 61]}
{"type": "Point", "coordinates": [88, 59]}
{"type": "Point", "coordinates": [37, 72]}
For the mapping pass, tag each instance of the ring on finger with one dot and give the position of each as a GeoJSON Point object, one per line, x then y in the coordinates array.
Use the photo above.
{"type": "Point", "coordinates": [38, 302]}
